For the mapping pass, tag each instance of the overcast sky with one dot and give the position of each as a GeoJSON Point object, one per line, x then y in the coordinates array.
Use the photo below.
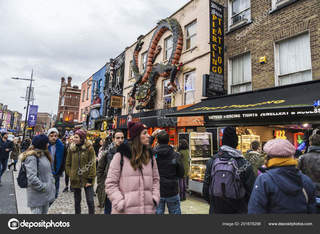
{"type": "Point", "coordinates": [67, 38]}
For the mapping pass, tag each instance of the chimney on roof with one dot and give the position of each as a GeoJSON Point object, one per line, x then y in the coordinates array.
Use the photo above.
{"type": "Point", "coordinates": [69, 81]}
{"type": "Point", "coordinates": [63, 80]}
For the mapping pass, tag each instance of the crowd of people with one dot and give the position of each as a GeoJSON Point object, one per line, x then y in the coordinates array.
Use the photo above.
{"type": "Point", "coordinates": [144, 174]}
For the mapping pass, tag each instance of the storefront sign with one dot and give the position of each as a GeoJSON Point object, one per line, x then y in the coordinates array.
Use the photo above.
{"type": "Point", "coordinates": [190, 121]}
{"type": "Point", "coordinates": [116, 101]}
{"type": "Point", "coordinates": [215, 80]}
{"type": "Point", "coordinates": [32, 117]}
{"type": "Point", "coordinates": [280, 134]}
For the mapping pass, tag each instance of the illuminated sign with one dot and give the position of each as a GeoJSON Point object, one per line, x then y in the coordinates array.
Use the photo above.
{"type": "Point", "coordinates": [280, 134]}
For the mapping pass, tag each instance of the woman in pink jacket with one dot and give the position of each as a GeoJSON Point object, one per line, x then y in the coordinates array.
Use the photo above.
{"type": "Point", "coordinates": [133, 182]}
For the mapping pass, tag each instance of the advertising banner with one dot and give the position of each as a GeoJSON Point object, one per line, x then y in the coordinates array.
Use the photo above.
{"type": "Point", "coordinates": [32, 117]}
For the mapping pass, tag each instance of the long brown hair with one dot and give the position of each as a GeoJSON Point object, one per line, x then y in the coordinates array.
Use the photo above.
{"type": "Point", "coordinates": [140, 154]}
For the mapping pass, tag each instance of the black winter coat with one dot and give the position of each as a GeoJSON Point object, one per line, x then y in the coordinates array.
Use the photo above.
{"type": "Point", "coordinates": [4, 155]}
{"type": "Point", "coordinates": [170, 169]}
{"type": "Point", "coordinates": [229, 206]}
{"type": "Point", "coordinates": [279, 190]}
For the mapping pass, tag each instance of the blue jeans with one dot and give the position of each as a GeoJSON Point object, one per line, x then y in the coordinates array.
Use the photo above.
{"type": "Point", "coordinates": [3, 166]}
{"type": "Point", "coordinates": [107, 206]}
{"type": "Point", "coordinates": [173, 204]}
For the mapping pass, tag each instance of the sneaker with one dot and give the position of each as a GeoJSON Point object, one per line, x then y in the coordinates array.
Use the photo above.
{"type": "Point", "coordinates": [65, 190]}
{"type": "Point", "coordinates": [71, 190]}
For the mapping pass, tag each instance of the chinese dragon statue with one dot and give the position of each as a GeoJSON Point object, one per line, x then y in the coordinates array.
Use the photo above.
{"type": "Point", "coordinates": [144, 89]}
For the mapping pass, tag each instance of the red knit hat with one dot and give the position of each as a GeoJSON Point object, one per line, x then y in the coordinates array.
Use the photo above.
{"type": "Point", "coordinates": [82, 134]}
{"type": "Point", "coordinates": [135, 128]}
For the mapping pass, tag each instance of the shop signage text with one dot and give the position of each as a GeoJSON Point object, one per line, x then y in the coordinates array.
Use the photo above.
{"type": "Point", "coordinates": [116, 101]}
{"type": "Point", "coordinates": [32, 117]}
{"type": "Point", "coordinates": [215, 81]}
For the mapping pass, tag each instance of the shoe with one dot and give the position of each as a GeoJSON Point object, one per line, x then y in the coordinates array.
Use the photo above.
{"type": "Point", "coordinates": [14, 169]}
{"type": "Point", "coordinates": [71, 190]}
{"type": "Point", "coordinates": [65, 189]}
{"type": "Point", "coordinates": [94, 194]}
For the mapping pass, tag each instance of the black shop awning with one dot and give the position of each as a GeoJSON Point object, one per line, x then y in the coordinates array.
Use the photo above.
{"type": "Point", "coordinates": [296, 97]}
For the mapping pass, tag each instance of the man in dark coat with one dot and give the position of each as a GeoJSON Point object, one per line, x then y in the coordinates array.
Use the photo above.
{"type": "Point", "coordinates": [170, 170]}
{"type": "Point", "coordinates": [5, 147]}
{"type": "Point", "coordinates": [309, 164]}
{"type": "Point", "coordinates": [222, 205]}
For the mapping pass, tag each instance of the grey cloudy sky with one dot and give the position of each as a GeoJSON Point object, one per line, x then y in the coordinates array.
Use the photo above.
{"type": "Point", "coordinates": [67, 38]}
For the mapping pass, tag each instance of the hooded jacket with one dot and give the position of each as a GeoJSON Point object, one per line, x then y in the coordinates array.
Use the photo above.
{"type": "Point", "coordinates": [309, 164]}
{"type": "Point", "coordinates": [247, 176]}
{"type": "Point", "coordinates": [170, 169]}
{"type": "Point", "coordinates": [4, 155]}
{"type": "Point", "coordinates": [132, 191]}
{"type": "Point", "coordinates": [81, 164]}
{"type": "Point", "coordinates": [41, 186]}
{"type": "Point", "coordinates": [280, 190]}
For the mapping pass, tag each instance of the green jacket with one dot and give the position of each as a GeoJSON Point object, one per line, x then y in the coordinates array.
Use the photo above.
{"type": "Point", "coordinates": [256, 159]}
{"type": "Point", "coordinates": [81, 164]}
{"type": "Point", "coordinates": [185, 161]}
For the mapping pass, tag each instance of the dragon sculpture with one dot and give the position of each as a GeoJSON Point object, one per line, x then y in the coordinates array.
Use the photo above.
{"type": "Point", "coordinates": [144, 89]}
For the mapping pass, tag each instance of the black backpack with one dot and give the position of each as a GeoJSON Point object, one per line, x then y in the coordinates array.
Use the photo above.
{"type": "Point", "coordinates": [22, 176]}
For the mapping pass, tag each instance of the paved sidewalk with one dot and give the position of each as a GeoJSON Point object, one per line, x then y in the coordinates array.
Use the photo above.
{"type": "Point", "coordinates": [8, 203]}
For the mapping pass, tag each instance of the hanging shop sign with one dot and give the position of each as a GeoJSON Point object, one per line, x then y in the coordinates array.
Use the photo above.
{"type": "Point", "coordinates": [215, 80]}
{"type": "Point", "coordinates": [280, 134]}
{"type": "Point", "coordinates": [32, 117]}
{"type": "Point", "coordinates": [116, 101]}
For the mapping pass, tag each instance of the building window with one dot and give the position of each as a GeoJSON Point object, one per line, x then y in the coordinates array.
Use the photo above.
{"type": "Point", "coordinates": [168, 45]}
{"type": "Point", "coordinates": [99, 85]}
{"type": "Point", "coordinates": [83, 95]}
{"type": "Point", "coordinates": [293, 60]}
{"type": "Point", "coordinates": [166, 95]}
{"type": "Point", "coordinates": [131, 73]}
{"type": "Point", "coordinates": [62, 101]}
{"type": "Point", "coordinates": [279, 3]}
{"type": "Point", "coordinates": [239, 13]}
{"type": "Point", "coordinates": [191, 35]}
{"type": "Point", "coordinates": [144, 60]}
{"type": "Point", "coordinates": [189, 89]}
{"type": "Point", "coordinates": [240, 74]}
{"type": "Point", "coordinates": [88, 93]}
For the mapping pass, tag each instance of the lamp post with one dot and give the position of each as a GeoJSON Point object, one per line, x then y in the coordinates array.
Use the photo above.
{"type": "Point", "coordinates": [28, 101]}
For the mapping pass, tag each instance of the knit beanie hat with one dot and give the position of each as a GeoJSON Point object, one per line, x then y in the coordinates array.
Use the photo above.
{"type": "Point", "coordinates": [135, 128]}
{"type": "Point", "coordinates": [230, 137]}
{"type": "Point", "coordinates": [40, 141]}
{"type": "Point", "coordinates": [82, 134]}
{"type": "Point", "coordinates": [279, 148]}
{"type": "Point", "coordinates": [51, 130]}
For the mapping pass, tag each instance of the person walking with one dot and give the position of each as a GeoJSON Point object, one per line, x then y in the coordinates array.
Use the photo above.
{"type": "Point", "coordinates": [103, 167]}
{"type": "Point", "coordinates": [6, 147]}
{"type": "Point", "coordinates": [58, 152]}
{"type": "Point", "coordinates": [255, 157]}
{"type": "Point", "coordinates": [25, 144]}
{"type": "Point", "coordinates": [309, 164]}
{"type": "Point", "coordinates": [41, 187]}
{"type": "Point", "coordinates": [170, 170]}
{"type": "Point", "coordinates": [81, 168]}
{"type": "Point", "coordinates": [15, 154]}
{"type": "Point", "coordinates": [133, 183]}
{"type": "Point", "coordinates": [185, 158]}
{"type": "Point", "coordinates": [282, 188]}
{"type": "Point", "coordinates": [229, 178]}
{"type": "Point", "coordinates": [66, 177]}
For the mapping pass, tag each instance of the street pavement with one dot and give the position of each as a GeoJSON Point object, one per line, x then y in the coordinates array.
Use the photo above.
{"type": "Point", "coordinates": [7, 194]}
{"type": "Point", "coordinates": [64, 204]}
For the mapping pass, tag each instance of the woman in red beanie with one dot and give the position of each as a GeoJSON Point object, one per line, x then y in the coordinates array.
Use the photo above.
{"type": "Point", "coordinates": [81, 168]}
{"type": "Point", "coordinates": [133, 182]}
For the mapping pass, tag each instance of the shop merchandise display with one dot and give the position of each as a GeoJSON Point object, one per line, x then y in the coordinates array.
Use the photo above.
{"type": "Point", "coordinates": [245, 142]}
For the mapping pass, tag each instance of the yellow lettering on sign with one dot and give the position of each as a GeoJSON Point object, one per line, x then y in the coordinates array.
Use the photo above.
{"type": "Point", "coordinates": [220, 70]}
{"type": "Point", "coordinates": [219, 31]}
{"type": "Point", "coordinates": [214, 39]}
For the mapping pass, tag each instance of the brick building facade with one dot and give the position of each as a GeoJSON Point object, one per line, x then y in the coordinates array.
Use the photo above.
{"type": "Point", "coordinates": [69, 102]}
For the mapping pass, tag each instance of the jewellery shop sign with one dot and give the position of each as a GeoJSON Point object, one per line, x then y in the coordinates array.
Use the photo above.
{"type": "Point", "coordinates": [261, 115]}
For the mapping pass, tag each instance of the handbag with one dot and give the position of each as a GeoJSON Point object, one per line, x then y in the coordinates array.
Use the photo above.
{"type": "Point", "coordinates": [22, 179]}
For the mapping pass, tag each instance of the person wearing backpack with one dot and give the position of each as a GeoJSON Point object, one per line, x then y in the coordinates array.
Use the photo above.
{"type": "Point", "coordinates": [282, 188]}
{"type": "Point", "coordinates": [229, 178]}
{"type": "Point", "coordinates": [40, 182]}
{"type": "Point", "coordinates": [132, 183]}
{"type": "Point", "coordinates": [106, 156]}
{"type": "Point", "coordinates": [170, 170]}
{"type": "Point", "coordinates": [81, 168]}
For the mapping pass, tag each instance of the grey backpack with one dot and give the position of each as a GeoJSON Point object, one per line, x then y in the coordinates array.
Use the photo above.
{"type": "Point", "coordinates": [225, 179]}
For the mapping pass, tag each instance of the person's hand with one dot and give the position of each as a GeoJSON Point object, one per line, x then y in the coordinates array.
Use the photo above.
{"type": "Point", "coordinates": [155, 133]}
{"type": "Point", "coordinates": [7, 150]}
{"type": "Point", "coordinates": [88, 185]}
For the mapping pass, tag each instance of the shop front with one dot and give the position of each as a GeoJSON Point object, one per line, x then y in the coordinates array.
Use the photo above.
{"type": "Point", "coordinates": [288, 112]}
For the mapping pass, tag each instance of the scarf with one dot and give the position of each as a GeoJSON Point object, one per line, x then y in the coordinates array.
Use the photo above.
{"type": "Point", "coordinates": [281, 162]}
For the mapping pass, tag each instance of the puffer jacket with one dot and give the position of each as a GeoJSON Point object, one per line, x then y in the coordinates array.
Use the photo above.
{"type": "Point", "coordinates": [41, 186]}
{"type": "Point", "coordinates": [170, 169]}
{"type": "Point", "coordinates": [256, 159]}
{"type": "Point", "coordinates": [81, 164]}
{"type": "Point", "coordinates": [280, 190]}
{"type": "Point", "coordinates": [15, 152]}
{"type": "Point", "coordinates": [309, 164]}
{"type": "Point", "coordinates": [132, 191]}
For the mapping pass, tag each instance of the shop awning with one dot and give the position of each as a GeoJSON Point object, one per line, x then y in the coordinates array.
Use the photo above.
{"type": "Point", "coordinates": [297, 97]}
